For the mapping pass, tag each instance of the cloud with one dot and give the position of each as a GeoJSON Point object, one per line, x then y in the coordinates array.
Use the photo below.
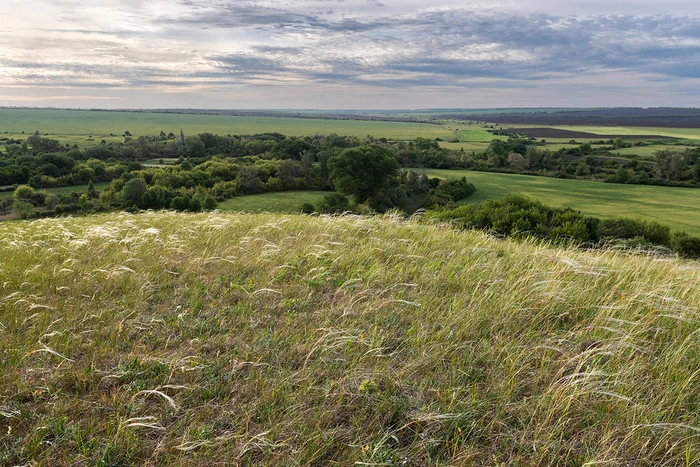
{"type": "Point", "coordinates": [197, 44]}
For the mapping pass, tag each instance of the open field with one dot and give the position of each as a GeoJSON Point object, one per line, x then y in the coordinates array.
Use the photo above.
{"type": "Point", "coordinates": [212, 339]}
{"type": "Point", "coordinates": [161, 162]}
{"type": "Point", "coordinates": [63, 189]}
{"type": "Point", "coordinates": [467, 146]}
{"type": "Point", "coordinates": [676, 207]}
{"type": "Point", "coordinates": [67, 124]}
{"type": "Point", "coordinates": [647, 152]}
{"type": "Point", "coordinates": [283, 202]}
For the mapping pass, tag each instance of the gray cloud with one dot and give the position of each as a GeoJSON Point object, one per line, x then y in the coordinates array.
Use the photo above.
{"type": "Point", "coordinates": [369, 44]}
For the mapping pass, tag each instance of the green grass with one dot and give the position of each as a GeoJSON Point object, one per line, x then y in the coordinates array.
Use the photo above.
{"type": "Point", "coordinates": [283, 202]}
{"type": "Point", "coordinates": [74, 126]}
{"type": "Point", "coordinates": [63, 189]}
{"type": "Point", "coordinates": [228, 339]}
{"type": "Point", "coordinates": [467, 146]}
{"type": "Point", "coordinates": [647, 152]}
{"type": "Point", "coordinates": [477, 136]}
{"type": "Point", "coordinates": [676, 207]}
{"type": "Point", "coordinates": [166, 162]}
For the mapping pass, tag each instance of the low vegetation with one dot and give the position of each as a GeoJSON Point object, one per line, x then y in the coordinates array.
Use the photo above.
{"type": "Point", "coordinates": [182, 339]}
{"type": "Point", "coordinates": [521, 217]}
{"type": "Point", "coordinates": [673, 206]}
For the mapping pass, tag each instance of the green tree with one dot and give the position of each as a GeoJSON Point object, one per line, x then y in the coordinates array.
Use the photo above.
{"type": "Point", "coordinates": [133, 190]}
{"type": "Point", "coordinates": [248, 180]}
{"type": "Point", "coordinates": [363, 171]}
{"type": "Point", "coordinates": [209, 203]}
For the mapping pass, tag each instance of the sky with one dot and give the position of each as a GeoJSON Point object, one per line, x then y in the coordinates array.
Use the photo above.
{"type": "Point", "coordinates": [349, 54]}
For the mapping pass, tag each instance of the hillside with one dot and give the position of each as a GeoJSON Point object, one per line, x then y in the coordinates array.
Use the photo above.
{"type": "Point", "coordinates": [196, 339]}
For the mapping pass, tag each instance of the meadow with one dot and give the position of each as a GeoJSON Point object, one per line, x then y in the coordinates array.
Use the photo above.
{"type": "Point", "coordinates": [648, 152]}
{"type": "Point", "coordinates": [280, 202]}
{"type": "Point", "coordinates": [63, 189]}
{"type": "Point", "coordinates": [183, 339]}
{"type": "Point", "coordinates": [76, 126]}
{"type": "Point", "coordinates": [676, 207]}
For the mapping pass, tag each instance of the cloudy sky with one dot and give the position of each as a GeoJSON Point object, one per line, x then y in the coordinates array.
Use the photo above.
{"type": "Point", "coordinates": [349, 54]}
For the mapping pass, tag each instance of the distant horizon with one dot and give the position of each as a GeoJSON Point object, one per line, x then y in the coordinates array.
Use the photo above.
{"type": "Point", "coordinates": [290, 109]}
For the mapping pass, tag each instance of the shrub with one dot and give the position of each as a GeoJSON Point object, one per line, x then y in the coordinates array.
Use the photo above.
{"type": "Point", "coordinates": [180, 203]}
{"type": "Point", "coordinates": [621, 228]}
{"type": "Point", "coordinates": [23, 209]}
{"type": "Point", "coordinates": [685, 245]}
{"type": "Point", "coordinates": [23, 192]}
{"type": "Point", "coordinates": [307, 208]}
{"type": "Point", "coordinates": [334, 203]}
{"type": "Point", "coordinates": [209, 203]}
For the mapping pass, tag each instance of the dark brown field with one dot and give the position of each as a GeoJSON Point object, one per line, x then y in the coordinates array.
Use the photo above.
{"type": "Point", "coordinates": [658, 117]}
{"type": "Point", "coordinates": [556, 133]}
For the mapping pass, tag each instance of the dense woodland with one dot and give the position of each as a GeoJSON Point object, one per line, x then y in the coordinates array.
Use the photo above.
{"type": "Point", "coordinates": [210, 168]}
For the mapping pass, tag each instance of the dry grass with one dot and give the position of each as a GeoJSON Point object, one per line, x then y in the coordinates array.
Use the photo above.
{"type": "Point", "coordinates": [218, 339]}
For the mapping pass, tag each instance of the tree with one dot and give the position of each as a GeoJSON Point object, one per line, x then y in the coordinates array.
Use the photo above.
{"type": "Point", "coordinates": [363, 171]}
{"type": "Point", "coordinates": [133, 190]}
{"type": "Point", "coordinates": [248, 180]}
{"type": "Point", "coordinates": [209, 203]}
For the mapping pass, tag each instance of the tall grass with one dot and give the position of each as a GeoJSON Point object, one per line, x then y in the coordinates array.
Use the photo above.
{"type": "Point", "coordinates": [215, 339]}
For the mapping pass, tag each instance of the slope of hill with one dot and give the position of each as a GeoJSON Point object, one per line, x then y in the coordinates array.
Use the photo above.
{"type": "Point", "coordinates": [179, 339]}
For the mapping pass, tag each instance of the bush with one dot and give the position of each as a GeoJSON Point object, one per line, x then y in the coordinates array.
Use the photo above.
{"type": "Point", "coordinates": [685, 245]}
{"type": "Point", "coordinates": [620, 228]}
{"type": "Point", "coordinates": [519, 216]}
{"type": "Point", "coordinates": [23, 192]}
{"type": "Point", "coordinates": [180, 203]}
{"type": "Point", "coordinates": [452, 190]}
{"type": "Point", "coordinates": [334, 203]}
{"type": "Point", "coordinates": [307, 208]}
{"type": "Point", "coordinates": [195, 205]}
{"type": "Point", "coordinates": [209, 203]}
{"type": "Point", "coordinates": [23, 209]}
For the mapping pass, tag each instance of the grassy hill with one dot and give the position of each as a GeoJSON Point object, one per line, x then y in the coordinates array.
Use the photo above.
{"type": "Point", "coordinates": [259, 339]}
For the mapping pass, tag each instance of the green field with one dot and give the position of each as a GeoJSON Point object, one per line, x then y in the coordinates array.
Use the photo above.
{"type": "Point", "coordinates": [72, 125]}
{"type": "Point", "coordinates": [676, 207]}
{"type": "Point", "coordinates": [161, 162]}
{"type": "Point", "coordinates": [647, 152]}
{"type": "Point", "coordinates": [284, 202]}
{"type": "Point", "coordinates": [467, 146]}
{"type": "Point", "coordinates": [63, 189]}
{"type": "Point", "coordinates": [477, 136]}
